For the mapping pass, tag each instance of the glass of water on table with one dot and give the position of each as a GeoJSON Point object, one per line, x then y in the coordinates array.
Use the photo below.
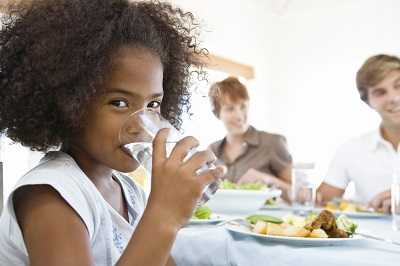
{"type": "Point", "coordinates": [137, 134]}
{"type": "Point", "coordinates": [303, 188]}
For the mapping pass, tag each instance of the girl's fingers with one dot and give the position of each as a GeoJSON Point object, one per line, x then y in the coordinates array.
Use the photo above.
{"type": "Point", "coordinates": [182, 148]}
{"type": "Point", "coordinates": [159, 150]}
{"type": "Point", "coordinates": [212, 175]}
{"type": "Point", "coordinates": [198, 160]}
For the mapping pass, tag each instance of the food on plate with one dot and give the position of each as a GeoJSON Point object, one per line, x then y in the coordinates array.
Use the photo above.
{"type": "Point", "coordinates": [226, 184]}
{"type": "Point", "coordinates": [202, 213]}
{"type": "Point", "coordinates": [253, 219]}
{"type": "Point", "coordinates": [322, 225]}
{"type": "Point", "coordinates": [271, 201]}
{"type": "Point", "coordinates": [346, 206]}
{"type": "Point", "coordinates": [326, 221]}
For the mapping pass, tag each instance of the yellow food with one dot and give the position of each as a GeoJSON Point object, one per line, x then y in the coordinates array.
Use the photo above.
{"type": "Point", "coordinates": [260, 227]}
{"type": "Point", "coordinates": [318, 233]}
{"type": "Point", "coordinates": [286, 230]}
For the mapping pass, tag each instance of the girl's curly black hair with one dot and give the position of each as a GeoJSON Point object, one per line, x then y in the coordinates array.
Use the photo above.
{"type": "Point", "coordinates": [55, 54]}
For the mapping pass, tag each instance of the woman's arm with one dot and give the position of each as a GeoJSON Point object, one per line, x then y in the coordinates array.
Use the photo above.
{"type": "Point", "coordinates": [282, 181]}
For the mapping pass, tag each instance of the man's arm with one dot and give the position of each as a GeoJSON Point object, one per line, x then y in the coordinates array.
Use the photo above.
{"type": "Point", "coordinates": [327, 192]}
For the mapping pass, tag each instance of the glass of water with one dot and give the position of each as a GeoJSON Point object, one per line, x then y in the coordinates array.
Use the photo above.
{"type": "Point", "coordinates": [137, 134]}
{"type": "Point", "coordinates": [395, 200]}
{"type": "Point", "coordinates": [303, 187]}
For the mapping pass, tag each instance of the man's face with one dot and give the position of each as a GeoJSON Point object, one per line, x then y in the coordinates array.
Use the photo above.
{"type": "Point", "coordinates": [384, 98]}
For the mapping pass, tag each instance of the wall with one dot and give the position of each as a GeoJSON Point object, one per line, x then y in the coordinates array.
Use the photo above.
{"type": "Point", "coordinates": [316, 50]}
{"type": "Point", "coordinates": [305, 53]}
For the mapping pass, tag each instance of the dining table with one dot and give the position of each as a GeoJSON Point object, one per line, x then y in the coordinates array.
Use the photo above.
{"type": "Point", "coordinates": [213, 244]}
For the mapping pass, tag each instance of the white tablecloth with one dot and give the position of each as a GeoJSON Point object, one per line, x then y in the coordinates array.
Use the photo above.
{"type": "Point", "coordinates": [211, 245]}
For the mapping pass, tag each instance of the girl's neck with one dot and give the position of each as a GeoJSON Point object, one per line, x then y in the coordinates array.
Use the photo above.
{"type": "Point", "coordinates": [392, 135]}
{"type": "Point", "coordinates": [99, 174]}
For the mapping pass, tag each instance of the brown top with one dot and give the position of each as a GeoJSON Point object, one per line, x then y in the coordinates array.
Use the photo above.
{"type": "Point", "coordinates": [264, 152]}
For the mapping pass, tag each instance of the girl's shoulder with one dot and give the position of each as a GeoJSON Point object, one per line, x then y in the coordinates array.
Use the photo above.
{"type": "Point", "coordinates": [59, 171]}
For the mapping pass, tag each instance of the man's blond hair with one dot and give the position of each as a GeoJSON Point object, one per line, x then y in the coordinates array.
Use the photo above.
{"type": "Point", "coordinates": [373, 71]}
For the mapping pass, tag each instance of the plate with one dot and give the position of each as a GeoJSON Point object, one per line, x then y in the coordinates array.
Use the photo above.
{"type": "Point", "coordinates": [304, 241]}
{"type": "Point", "coordinates": [215, 218]}
{"type": "Point", "coordinates": [361, 214]}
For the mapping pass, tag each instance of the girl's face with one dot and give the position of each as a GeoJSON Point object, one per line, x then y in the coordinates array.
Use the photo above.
{"type": "Point", "coordinates": [385, 99]}
{"type": "Point", "coordinates": [234, 116]}
{"type": "Point", "coordinates": [135, 82]}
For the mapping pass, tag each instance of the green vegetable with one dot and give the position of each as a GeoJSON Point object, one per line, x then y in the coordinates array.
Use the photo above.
{"type": "Point", "coordinates": [311, 217]}
{"type": "Point", "coordinates": [226, 184]}
{"type": "Point", "coordinates": [270, 201]}
{"type": "Point", "coordinates": [202, 213]}
{"type": "Point", "coordinates": [344, 223]}
{"type": "Point", "coordinates": [266, 218]}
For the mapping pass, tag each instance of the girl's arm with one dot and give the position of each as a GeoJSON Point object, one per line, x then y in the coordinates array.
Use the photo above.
{"type": "Point", "coordinates": [53, 232]}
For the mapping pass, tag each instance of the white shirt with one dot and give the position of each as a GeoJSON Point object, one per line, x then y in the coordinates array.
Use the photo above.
{"type": "Point", "coordinates": [369, 161]}
{"type": "Point", "coordinates": [108, 231]}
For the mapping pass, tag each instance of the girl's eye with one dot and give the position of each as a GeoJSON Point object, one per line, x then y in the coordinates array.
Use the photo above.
{"type": "Point", "coordinates": [154, 104]}
{"type": "Point", "coordinates": [119, 103]}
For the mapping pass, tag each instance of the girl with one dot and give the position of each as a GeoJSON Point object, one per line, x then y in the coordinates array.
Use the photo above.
{"type": "Point", "coordinates": [71, 72]}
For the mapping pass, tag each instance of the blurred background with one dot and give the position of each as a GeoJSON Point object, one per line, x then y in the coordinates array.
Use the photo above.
{"type": "Point", "coordinates": [298, 59]}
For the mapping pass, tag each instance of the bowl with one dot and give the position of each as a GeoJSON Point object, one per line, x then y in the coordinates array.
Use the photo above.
{"type": "Point", "coordinates": [239, 201]}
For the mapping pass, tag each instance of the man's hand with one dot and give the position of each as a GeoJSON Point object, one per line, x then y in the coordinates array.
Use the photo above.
{"type": "Point", "coordinates": [381, 202]}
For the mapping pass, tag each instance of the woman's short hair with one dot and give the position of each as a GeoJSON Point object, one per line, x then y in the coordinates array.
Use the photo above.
{"type": "Point", "coordinates": [373, 71]}
{"type": "Point", "coordinates": [230, 88]}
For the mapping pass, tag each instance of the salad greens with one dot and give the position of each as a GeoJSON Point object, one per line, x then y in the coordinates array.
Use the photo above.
{"type": "Point", "coordinates": [346, 224]}
{"type": "Point", "coordinates": [226, 184]}
{"type": "Point", "coordinates": [202, 213]}
{"type": "Point", "coordinates": [253, 219]}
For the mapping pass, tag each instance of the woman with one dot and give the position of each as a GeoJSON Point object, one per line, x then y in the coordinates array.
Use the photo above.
{"type": "Point", "coordinates": [249, 154]}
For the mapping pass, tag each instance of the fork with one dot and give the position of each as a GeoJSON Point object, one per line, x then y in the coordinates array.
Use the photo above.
{"type": "Point", "coordinates": [235, 221]}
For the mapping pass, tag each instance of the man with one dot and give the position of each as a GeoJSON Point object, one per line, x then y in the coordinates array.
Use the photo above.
{"type": "Point", "coordinates": [371, 160]}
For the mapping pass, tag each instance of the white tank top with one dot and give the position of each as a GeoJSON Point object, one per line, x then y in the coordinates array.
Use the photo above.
{"type": "Point", "coordinates": [109, 232]}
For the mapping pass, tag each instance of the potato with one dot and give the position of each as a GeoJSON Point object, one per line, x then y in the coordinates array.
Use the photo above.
{"type": "Point", "coordinates": [318, 233]}
{"type": "Point", "coordinates": [296, 231]}
{"type": "Point", "coordinates": [260, 227]}
{"type": "Point", "coordinates": [275, 229]}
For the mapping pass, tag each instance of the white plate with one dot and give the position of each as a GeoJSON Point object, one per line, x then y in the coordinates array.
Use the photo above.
{"type": "Point", "coordinates": [361, 214]}
{"type": "Point", "coordinates": [242, 230]}
{"type": "Point", "coordinates": [215, 218]}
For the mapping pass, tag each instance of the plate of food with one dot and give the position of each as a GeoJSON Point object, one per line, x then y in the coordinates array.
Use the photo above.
{"type": "Point", "coordinates": [352, 209]}
{"type": "Point", "coordinates": [203, 215]}
{"type": "Point", "coordinates": [316, 230]}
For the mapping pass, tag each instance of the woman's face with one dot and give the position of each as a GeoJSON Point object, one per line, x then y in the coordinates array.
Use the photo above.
{"type": "Point", "coordinates": [234, 115]}
{"type": "Point", "coordinates": [135, 82]}
{"type": "Point", "coordinates": [385, 99]}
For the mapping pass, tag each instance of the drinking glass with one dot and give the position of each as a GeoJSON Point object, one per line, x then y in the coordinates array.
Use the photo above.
{"type": "Point", "coordinates": [137, 134]}
{"type": "Point", "coordinates": [303, 187]}
{"type": "Point", "coordinates": [395, 200]}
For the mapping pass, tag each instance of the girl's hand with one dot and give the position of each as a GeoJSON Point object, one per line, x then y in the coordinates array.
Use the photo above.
{"type": "Point", "coordinates": [176, 187]}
